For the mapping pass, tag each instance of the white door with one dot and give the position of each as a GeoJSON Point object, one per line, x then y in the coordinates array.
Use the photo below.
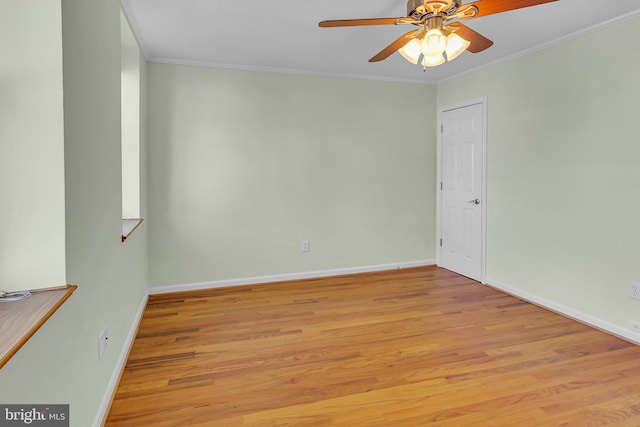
{"type": "Point", "coordinates": [462, 204]}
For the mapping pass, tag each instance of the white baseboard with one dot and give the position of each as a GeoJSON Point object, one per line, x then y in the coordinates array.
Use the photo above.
{"type": "Point", "coordinates": [122, 360]}
{"type": "Point", "coordinates": [595, 322]}
{"type": "Point", "coordinates": [284, 277]}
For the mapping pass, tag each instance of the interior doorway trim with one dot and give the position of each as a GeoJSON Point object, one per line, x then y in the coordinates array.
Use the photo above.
{"type": "Point", "coordinates": [441, 110]}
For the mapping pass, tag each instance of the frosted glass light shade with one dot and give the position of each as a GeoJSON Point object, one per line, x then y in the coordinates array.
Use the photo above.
{"type": "Point", "coordinates": [433, 60]}
{"type": "Point", "coordinates": [434, 42]}
{"type": "Point", "coordinates": [411, 51]}
{"type": "Point", "coordinates": [455, 46]}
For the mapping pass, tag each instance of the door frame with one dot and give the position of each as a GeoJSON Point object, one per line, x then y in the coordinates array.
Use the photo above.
{"type": "Point", "coordinates": [483, 211]}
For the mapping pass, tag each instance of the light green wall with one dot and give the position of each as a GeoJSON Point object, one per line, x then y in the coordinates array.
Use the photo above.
{"type": "Point", "coordinates": [31, 146]}
{"type": "Point", "coordinates": [563, 171]}
{"type": "Point", "coordinates": [245, 165]}
{"type": "Point", "coordinates": [60, 363]}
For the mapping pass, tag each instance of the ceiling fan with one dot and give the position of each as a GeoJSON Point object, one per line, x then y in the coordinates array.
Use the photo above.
{"type": "Point", "coordinates": [440, 36]}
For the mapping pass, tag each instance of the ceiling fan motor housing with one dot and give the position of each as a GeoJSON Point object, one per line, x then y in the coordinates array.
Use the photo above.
{"type": "Point", "coordinates": [418, 9]}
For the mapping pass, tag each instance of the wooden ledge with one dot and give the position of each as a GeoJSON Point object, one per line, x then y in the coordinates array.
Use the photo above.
{"type": "Point", "coordinates": [129, 225]}
{"type": "Point", "coordinates": [20, 320]}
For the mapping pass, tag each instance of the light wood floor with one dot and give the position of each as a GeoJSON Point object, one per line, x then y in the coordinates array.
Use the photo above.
{"type": "Point", "coordinates": [410, 347]}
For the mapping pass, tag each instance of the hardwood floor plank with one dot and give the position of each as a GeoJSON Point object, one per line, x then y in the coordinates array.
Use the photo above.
{"type": "Point", "coordinates": [394, 348]}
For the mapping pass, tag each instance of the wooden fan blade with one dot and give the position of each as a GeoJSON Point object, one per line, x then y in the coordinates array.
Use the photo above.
{"type": "Point", "coordinates": [360, 22]}
{"type": "Point", "coordinates": [399, 43]}
{"type": "Point", "coordinates": [491, 7]}
{"type": "Point", "coordinates": [478, 41]}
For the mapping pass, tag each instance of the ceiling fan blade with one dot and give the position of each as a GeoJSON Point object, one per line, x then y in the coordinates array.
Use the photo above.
{"type": "Point", "coordinates": [491, 7]}
{"type": "Point", "coordinates": [478, 41]}
{"type": "Point", "coordinates": [399, 43]}
{"type": "Point", "coordinates": [360, 22]}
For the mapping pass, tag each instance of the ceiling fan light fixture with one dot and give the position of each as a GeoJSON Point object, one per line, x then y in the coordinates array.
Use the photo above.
{"type": "Point", "coordinates": [411, 51]}
{"type": "Point", "coordinates": [433, 60]}
{"type": "Point", "coordinates": [434, 42]}
{"type": "Point", "coordinates": [455, 46]}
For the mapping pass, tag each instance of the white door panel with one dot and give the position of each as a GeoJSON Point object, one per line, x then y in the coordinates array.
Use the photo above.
{"type": "Point", "coordinates": [462, 163]}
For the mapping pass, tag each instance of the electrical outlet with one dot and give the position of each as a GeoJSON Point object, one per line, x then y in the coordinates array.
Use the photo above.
{"type": "Point", "coordinates": [634, 291]}
{"type": "Point", "coordinates": [103, 339]}
{"type": "Point", "coordinates": [634, 326]}
{"type": "Point", "coordinates": [305, 246]}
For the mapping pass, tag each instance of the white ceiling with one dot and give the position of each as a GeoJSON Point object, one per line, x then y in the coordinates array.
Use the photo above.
{"type": "Point", "coordinates": [283, 35]}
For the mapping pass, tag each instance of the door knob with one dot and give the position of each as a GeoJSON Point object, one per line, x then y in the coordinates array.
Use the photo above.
{"type": "Point", "coordinates": [474, 201]}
